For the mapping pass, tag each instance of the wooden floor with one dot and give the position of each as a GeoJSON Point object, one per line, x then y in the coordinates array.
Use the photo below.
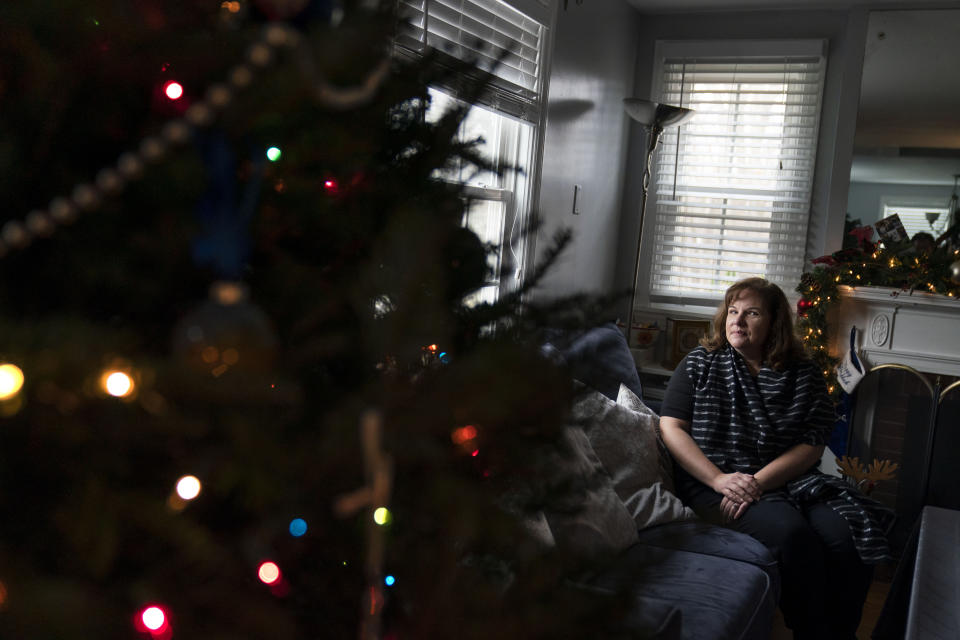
{"type": "Point", "coordinates": [871, 608]}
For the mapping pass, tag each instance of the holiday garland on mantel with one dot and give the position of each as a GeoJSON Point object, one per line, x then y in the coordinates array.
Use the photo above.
{"type": "Point", "coordinates": [921, 264]}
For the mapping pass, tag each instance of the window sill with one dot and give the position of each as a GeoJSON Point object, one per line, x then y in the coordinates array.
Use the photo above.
{"type": "Point", "coordinates": [696, 312]}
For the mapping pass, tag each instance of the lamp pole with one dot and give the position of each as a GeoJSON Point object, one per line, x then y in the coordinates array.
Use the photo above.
{"type": "Point", "coordinates": [655, 118]}
{"type": "Point", "coordinates": [653, 134]}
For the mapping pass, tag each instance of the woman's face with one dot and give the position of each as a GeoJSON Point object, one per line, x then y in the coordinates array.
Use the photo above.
{"type": "Point", "coordinates": [748, 324]}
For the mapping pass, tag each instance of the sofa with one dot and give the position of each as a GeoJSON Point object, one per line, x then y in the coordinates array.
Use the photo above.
{"type": "Point", "coordinates": [679, 577]}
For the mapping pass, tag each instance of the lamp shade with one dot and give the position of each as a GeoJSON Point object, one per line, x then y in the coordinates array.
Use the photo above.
{"type": "Point", "coordinates": [654, 114]}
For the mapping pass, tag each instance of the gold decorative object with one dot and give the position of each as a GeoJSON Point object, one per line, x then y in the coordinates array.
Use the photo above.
{"type": "Point", "coordinates": [867, 477]}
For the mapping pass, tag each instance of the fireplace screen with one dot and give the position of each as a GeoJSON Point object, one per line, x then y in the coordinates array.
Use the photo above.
{"type": "Point", "coordinates": [909, 419]}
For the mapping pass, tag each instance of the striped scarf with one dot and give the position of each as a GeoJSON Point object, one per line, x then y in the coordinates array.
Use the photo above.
{"type": "Point", "coordinates": [742, 423]}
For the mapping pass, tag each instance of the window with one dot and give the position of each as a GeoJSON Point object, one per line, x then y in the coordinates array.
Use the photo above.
{"type": "Point", "coordinates": [732, 187]}
{"type": "Point", "coordinates": [496, 201]}
{"type": "Point", "coordinates": [508, 116]}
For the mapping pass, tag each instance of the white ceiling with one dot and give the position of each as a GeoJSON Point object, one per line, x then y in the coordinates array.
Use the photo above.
{"type": "Point", "coordinates": [671, 6]}
{"type": "Point", "coordinates": [910, 91]}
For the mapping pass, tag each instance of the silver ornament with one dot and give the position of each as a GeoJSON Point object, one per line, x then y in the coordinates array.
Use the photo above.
{"type": "Point", "coordinates": [955, 272]}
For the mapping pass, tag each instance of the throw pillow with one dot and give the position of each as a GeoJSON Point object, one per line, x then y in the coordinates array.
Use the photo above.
{"type": "Point", "coordinates": [586, 517]}
{"type": "Point", "coordinates": [624, 435]}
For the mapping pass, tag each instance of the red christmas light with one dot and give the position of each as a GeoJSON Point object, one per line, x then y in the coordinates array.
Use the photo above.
{"type": "Point", "coordinates": [268, 572]}
{"type": "Point", "coordinates": [464, 434]}
{"type": "Point", "coordinates": [173, 90]}
{"type": "Point", "coordinates": [153, 619]}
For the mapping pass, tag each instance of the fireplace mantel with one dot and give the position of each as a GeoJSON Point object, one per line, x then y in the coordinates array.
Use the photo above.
{"type": "Point", "coordinates": [920, 330]}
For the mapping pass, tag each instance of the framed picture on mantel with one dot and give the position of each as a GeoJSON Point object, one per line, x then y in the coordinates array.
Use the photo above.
{"type": "Point", "coordinates": [683, 336]}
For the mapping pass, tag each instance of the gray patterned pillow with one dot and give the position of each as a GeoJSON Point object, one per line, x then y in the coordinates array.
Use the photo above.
{"type": "Point", "coordinates": [589, 519]}
{"type": "Point", "coordinates": [625, 436]}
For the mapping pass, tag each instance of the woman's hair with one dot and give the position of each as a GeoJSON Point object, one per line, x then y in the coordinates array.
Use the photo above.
{"type": "Point", "coordinates": [782, 346]}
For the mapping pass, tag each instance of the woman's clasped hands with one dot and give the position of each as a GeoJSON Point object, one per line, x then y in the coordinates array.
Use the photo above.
{"type": "Point", "coordinates": [738, 491]}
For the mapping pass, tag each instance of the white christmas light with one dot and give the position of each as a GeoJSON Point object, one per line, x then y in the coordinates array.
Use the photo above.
{"type": "Point", "coordinates": [11, 380]}
{"type": "Point", "coordinates": [117, 383]}
{"type": "Point", "coordinates": [188, 487]}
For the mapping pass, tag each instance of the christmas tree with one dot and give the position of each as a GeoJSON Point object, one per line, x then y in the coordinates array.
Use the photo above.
{"type": "Point", "coordinates": [242, 393]}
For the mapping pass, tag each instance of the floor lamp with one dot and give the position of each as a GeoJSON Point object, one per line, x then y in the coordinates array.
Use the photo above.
{"type": "Point", "coordinates": [654, 117]}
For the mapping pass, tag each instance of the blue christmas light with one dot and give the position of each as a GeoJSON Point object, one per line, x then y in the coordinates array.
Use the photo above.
{"type": "Point", "coordinates": [389, 580]}
{"type": "Point", "coordinates": [298, 527]}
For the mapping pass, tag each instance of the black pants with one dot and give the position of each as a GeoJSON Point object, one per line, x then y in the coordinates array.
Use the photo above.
{"type": "Point", "coordinates": [823, 581]}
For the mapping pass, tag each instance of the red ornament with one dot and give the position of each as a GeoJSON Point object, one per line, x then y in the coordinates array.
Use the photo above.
{"type": "Point", "coordinates": [802, 306]}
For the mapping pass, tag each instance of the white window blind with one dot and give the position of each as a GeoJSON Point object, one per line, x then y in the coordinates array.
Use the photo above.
{"type": "Point", "coordinates": [733, 185]}
{"type": "Point", "coordinates": [491, 33]}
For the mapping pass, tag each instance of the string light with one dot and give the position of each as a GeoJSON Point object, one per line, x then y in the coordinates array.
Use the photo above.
{"type": "Point", "coordinates": [382, 516]}
{"type": "Point", "coordinates": [11, 380]}
{"type": "Point", "coordinates": [118, 384]}
{"type": "Point", "coordinates": [268, 572]}
{"type": "Point", "coordinates": [173, 90]}
{"type": "Point", "coordinates": [273, 154]}
{"type": "Point", "coordinates": [188, 487]}
{"type": "Point", "coordinates": [153, 619]}
{"type": "Point", "coordinates": [464, 434]}
{"type": "Point", "coordinates": [298, 527]}
{"type": "Point", "coordinates": [389, 581]}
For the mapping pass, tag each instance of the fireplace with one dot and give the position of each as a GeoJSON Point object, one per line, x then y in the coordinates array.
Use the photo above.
{"type": "Point", "coordinates": [907, 408]}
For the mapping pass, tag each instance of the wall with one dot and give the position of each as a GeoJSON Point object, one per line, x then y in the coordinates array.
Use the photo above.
{"type": "Point", "coordinates": [585, 142]}
{"type": "Point", "coordinates": [845, 31]}
{"type": "Point", "coordinates": [864, 201]}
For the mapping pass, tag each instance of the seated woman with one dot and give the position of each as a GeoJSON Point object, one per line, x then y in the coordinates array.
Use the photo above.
{"type": "Point", "coordinates": [746, 416]}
